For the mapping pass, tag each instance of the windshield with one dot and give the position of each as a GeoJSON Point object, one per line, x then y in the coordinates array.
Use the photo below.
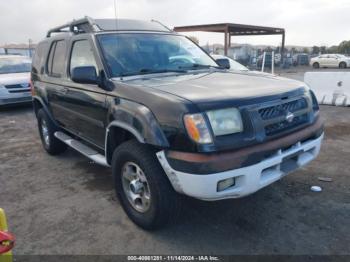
{"type": "Point", "coordinates": [134, 54]}
{"type": "Point", "coordinates": [10, 65]}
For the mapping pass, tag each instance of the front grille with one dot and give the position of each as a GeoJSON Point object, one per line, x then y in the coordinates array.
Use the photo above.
{"type": "Point", "coordinates": [281, 109]}
{"type": "Point", "coordinates": [276, 128]}
{"type": "Point", "coordinates": [18, 88]}
{"type": "Point", "coordinates": [274, 117]}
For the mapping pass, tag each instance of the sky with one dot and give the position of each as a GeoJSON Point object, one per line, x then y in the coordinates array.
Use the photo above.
{"type": "Point", "coordinates": [307, 22]}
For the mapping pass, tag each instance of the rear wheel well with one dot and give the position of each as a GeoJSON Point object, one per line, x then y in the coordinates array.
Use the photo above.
{"type": "Point", "coordinates": [115, 137]}
{"type": "Point", "coordinates": [37, 105]}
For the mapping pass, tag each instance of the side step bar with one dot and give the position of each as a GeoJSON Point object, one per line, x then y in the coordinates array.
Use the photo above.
{"type": "Point", "coordinates": [83, 149]}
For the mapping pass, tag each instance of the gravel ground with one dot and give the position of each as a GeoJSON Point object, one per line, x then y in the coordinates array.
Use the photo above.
{"type": "Point", "coordinates": [66, 204]}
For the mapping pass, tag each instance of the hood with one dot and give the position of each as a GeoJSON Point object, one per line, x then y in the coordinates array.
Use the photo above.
{"type": "Point", "coordinates": [14, 78]}
{"type": "Point", "coordinates": [221, 86]}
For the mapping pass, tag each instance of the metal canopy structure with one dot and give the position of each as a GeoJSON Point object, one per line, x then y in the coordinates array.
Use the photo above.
{"type": "Point", "coordinates": [230, 30]}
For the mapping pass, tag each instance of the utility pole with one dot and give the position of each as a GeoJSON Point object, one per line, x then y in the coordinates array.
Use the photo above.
{"type": "Point", "coordinates": [29, 47]}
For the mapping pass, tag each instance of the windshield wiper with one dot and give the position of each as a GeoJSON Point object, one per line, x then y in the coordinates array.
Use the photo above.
{"type": "Point", "coordinates": [199, 66]}
{"type": "Point", "coordinates": [145, 71]}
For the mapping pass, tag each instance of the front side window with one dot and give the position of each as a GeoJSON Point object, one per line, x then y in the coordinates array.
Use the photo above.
{"type": "Point", "coordinates": [9, 65]}
{"type": "Point", "coordinates": [137, 53]}
{"type": "Point", "coordinates": [82, 55]}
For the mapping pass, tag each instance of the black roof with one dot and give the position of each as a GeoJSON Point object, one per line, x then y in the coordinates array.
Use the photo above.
{"type": "Point", "coordinates": [89, 25]}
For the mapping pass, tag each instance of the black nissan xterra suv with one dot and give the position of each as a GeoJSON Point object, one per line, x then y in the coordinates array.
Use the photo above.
{"type": "Point", "coordinates": [166, 117]}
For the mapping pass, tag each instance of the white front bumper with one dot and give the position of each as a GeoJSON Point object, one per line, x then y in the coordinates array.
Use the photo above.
{"type": "Point", "coordinates": [247, 179]}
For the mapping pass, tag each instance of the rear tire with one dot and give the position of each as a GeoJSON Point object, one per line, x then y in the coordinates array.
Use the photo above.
{"type": "Point", "coordinates": [47, 129]}
{"type": "Point", "coordinates": [162, 203]}
{"type": "Point", "coordinates": [316, 65]}
{"type": "Point", "coordinates": [342, 65]}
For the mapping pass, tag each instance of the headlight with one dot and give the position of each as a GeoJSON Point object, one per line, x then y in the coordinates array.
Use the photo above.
{"type": "Point", "coordinates": [197, 129]}
{"type": "Point", "coordinates": [225, 121]}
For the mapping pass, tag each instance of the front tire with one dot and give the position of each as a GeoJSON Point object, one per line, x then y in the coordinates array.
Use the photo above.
{"type": "Point", "coordinates": [316, 65]}
{"type": "Point", "coordinates": [47, 130]}
{"type": "Point", "coordinates": [142, 187]}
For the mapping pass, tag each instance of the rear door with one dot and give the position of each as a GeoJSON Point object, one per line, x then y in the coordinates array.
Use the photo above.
{"type": "Point", "coordinates": [55, 79]}
{"type": "Point", "coordinates": [323, 60]}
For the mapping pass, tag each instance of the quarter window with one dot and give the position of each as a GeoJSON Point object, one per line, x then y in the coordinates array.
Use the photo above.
{"type": "Point", "coordinates": [82, 55]}
{"type": "Point", "coordinates": [38, 59]}
{"type": "Point", "coordinates": [56, 62]}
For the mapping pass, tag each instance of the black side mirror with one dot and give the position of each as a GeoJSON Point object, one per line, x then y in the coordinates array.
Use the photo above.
{"type": "Point", "coordinates": [223, 62]}
{"type": "Point", "coordinates": [85, 75]}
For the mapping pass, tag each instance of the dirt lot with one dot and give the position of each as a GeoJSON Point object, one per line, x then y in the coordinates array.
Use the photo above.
{"type": "Point", "coordinates": [66, 204]}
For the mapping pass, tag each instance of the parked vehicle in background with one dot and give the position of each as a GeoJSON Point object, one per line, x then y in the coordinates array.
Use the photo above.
{"type": "Point", "coordinates": [301, 59]}
{"type": "Point", "coordinates": [278, 59]}
{"type": "Point", "coordinates": [229, 63]}
{"type": "Point", "coordinates": [14, 79]}
{"type": "Point", "coordinates": [155, 107]}
{"type": "Point", "coordinates": [330, 60]}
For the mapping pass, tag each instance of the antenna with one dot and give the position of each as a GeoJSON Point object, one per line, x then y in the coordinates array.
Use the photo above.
{"type": "Point", "coordinates": [115, 15]}
{"type": "Point", "coordinates": [156, 21]}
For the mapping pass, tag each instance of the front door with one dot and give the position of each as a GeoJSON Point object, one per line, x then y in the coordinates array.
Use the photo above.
{"type": "Point", "coordinates": [86, 103]}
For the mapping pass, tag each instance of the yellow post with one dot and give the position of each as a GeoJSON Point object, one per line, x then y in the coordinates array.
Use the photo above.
{"type": "Point", "coordinates": [6, 257]}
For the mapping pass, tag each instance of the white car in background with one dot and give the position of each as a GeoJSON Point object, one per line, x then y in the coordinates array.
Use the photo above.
{"type": "Point", "coordinates": [15, 79]}
{"type": "Point", "coordinates": [232, 64]}
{"type": "Point", "coordinates": [330, 60]}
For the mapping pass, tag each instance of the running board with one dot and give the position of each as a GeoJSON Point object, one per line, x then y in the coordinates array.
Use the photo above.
{"type": "Point", "coordinates": [81, 148]}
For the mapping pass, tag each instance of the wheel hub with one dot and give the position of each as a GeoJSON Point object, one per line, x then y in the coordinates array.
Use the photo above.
{"type": "Point", "coordinates": [135, 186]}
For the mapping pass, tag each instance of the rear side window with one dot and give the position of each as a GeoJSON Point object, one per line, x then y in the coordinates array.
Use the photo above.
{"type": "Point", "coordinates": [82, 55]}
{"type": "Point", "coordinates": [38, 60]}
{"type": "Point", "coordinates": [56, 61]}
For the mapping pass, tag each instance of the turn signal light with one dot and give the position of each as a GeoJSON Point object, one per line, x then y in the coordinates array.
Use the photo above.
{"type": "Point", "coordinates": [197, 128]}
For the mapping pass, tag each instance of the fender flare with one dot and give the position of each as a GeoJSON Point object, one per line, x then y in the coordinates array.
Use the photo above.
{"type": "Point", "coordinates": [137, 120]}
{"type": "Point", "coordinates": [44, 107]}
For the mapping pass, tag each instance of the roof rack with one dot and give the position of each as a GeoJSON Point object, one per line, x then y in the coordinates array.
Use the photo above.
{"type": "Point", "coordinates": [83, 25]}
{"type": "Point", "coordinates": [90, 25]}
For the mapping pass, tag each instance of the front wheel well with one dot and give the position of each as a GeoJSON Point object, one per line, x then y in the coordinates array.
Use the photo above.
{"type": "Point", "coordinates": [116, 136]}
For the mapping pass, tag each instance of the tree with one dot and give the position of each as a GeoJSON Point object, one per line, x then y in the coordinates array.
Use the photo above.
{"type": "Point", "coordinates": [332, 49]}
{"type": "Point", "coordinates": [323, 49]}
{"type": "Point", "coordinates": [194, 39]}
{"type": "Point", "coordinates": [315, 50]}
{"type": "Point", "coordinates": [306, 50]}
{"type": "Point", "coordinates": [344, 47]}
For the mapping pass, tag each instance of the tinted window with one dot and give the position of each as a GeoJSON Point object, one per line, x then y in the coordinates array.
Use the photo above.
{"type": "Point", "coordinates": [56, 62]}
{"type": "Point", "coordinates": [49, 61]}
{"type": "Point", "coordinates": [38, 59]}
{"type": "Point", "coordinates": [82, 55]}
